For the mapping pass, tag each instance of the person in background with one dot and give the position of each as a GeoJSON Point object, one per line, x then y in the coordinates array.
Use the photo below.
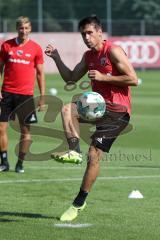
{"type": "Point", "coordinates": [21, 62]}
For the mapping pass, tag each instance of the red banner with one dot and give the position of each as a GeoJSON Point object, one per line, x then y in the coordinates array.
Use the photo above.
{"type": "Point", "coordinates": [143, 52]}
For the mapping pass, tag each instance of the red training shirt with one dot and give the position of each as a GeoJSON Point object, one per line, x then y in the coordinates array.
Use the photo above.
{"type": "Point", "coordinates": [19, 66]}
{"type": "Point", "coordinates": [117, 98]}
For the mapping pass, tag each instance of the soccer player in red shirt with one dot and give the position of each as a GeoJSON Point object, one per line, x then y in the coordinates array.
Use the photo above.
{"type": "Point", "coordinates": [21, 60]}
{"type": "Point", "coordinates": [111, 74]}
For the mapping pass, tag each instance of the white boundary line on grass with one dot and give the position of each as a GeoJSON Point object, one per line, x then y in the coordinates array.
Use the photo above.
{"type": "Point", "coordinates": [81, 167]}
{"type": "Point", "coordinates": [70, 225]}
{"type": "Point", "coordinates": [75, 179]}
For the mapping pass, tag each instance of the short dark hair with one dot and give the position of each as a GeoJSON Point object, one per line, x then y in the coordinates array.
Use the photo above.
{"type": "Point", "coordinates": [90, 20]}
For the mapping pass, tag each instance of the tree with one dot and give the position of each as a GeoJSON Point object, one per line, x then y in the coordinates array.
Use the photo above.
{"type": "Point", "coordinates": [55, 12]}
{"type": "Point", "coordinates": [147, 9]}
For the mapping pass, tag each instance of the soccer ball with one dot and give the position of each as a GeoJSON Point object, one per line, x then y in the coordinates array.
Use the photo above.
{"type": "Point", "coordinates": [91, 105]}
{"type": "Point", "coordinates": [53, 91]}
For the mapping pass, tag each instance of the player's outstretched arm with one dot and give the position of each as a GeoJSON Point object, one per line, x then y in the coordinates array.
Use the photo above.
{"type": "Point", "coordinates": [67, 74]}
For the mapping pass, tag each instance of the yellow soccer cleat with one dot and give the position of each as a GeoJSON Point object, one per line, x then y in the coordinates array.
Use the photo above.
{"type": "Point", "coordinates": [70, 156]}
{"type": "Point", "coordinates": [71, 213]}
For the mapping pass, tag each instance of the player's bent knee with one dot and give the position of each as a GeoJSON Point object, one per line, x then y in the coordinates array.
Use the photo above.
{"type": "Point", "coordinates": [3, 129]}
{"type": "Point", "coordinates": [65, 109]}
{"type": "Point", "coordinates": [25, 136]}
{"type": "Point", "coordinates": [68, 110]}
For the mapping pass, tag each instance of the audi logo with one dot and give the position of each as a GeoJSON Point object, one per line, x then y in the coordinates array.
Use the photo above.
{"type": "Point", "coordinates": [140, 52]}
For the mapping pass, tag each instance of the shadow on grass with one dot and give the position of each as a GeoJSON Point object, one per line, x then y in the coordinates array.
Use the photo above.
{"type": "Point", "coordinates": [25, 215]}
{"type": "Point", "coordinates": [7, 220]}
{"type": "Point", "coordinates": [143, 166]}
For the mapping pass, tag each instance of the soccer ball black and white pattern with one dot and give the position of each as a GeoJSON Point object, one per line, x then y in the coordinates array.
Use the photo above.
{"type": "Point", "coordinates": [91, 105]}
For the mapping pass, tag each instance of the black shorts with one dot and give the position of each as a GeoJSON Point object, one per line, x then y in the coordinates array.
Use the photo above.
{"type": "Point", "coordinates": [108, 129]}
{"type": "Point", "coordinates": [17, 104]}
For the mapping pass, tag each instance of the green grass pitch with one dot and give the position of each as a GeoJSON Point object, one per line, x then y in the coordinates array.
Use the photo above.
{"type": "Point", "coordinates": [31, 203]}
